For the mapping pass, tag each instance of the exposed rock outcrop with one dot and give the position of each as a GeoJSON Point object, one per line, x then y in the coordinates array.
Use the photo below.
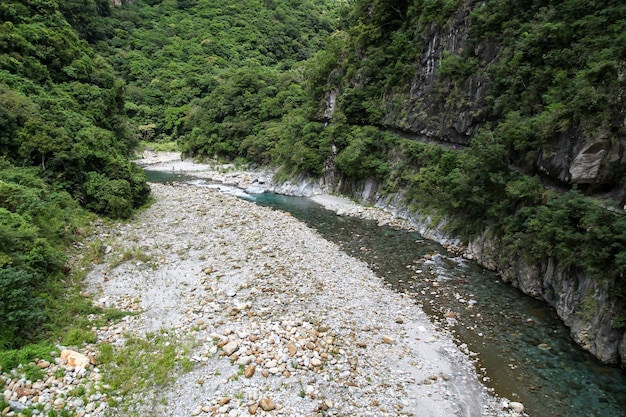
{"type": "Point", "coordinates": [580, 159]}
{"type": "Point", "coordinates": [583, 303]}
{"type": "Point", "coordinates": [433, 107]}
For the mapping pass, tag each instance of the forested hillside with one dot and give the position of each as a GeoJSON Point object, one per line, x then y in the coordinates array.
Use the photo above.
{"type": "Point", "coordinates": [211, 71]}
{"type": "Point", "coordinates": [524, 103]}
{"type": "Point", "coordinates": [64, 147]}
{"type": "Point", "coordinates": [552, 78]}
{"type": "Point", "coordinates": [82, 82]}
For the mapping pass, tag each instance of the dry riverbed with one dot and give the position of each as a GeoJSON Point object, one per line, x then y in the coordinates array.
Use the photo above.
{"type": "Point", "coordinates": [259, 315]}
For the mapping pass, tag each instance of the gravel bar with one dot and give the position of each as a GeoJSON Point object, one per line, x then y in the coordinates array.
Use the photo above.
{"type": "Point", "coordinates": [283, 323]}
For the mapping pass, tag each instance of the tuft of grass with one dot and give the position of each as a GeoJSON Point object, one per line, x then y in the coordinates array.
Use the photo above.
{"type": "Point", "coordinates": [77, 336]}
{"type": "Point", "coordinates": [106, 316]}
{"type": "Point", "coordinates": [32, 372]}
{"type": "Point", "coordinates": [128, 254]}
{"type": "Point", "coordinates": [152, 361]}
{"type": "Point", "coordinates": [10, 359]}
{"type": "Point", "coordinates": [79, 391]}
{"type": "Point", "coordinates": [112, 315]}
{"type": "Point", "coordinates": [93, 253]}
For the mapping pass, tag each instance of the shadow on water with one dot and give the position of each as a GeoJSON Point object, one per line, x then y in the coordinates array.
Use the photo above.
{"type": "Point", "coordinates": [166, 176]}
{"type": "Point", "coordinates": [524, 349]}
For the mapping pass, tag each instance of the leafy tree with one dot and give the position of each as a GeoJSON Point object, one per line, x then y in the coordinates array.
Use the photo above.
{"type": "Point", "coordinates": [19, 306]}
{"type": "Point", "coordinates": [185, 52]}
{"type": "Point", "coordinates": [366, 153]}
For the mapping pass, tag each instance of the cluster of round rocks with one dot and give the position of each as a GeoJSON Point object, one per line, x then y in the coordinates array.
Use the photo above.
{"type": "Point", "coordinates": [71, 385]}
{"type": "Point", "coordinates": [283, 323]}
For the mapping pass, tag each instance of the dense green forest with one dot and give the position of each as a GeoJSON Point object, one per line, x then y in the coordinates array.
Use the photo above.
{"type": "Point", "coordinates": [187, 61]}
{"type": "Point", "coordinates": [559, 75]}
{"type": "Point", "coordinates": [64, 147]}
{"type": "Point", "coordinates": [82, 82]}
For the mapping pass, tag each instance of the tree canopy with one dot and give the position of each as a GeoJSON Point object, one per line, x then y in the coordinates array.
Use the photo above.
{"type": "Point", "coordinates": [311, 87]}
{"type": "Point", "coordinates": [64, 142]}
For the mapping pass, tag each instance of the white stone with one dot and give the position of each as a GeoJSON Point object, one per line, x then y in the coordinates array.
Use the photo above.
{"type": "Point", "coordinates": [230, 347]}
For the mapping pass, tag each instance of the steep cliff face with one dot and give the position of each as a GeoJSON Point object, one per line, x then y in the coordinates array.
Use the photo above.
{"type": "Point", "coordinates": [579, 158]}
{"type": "Point", "coordinates": [459, 85]}
{"type": "Point", "coordinates": [432, 106]}
{"type": "Point", "coordinates": [583, 303]}
{"type": "Point", "coordinates": [453, 112]}
{"type": "Point", "coordinates": [449, 97]}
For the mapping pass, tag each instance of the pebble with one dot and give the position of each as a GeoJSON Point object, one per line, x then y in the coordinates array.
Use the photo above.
{"type": "Point", "coordinates": [266, 404]}
{"type": "Point", "coordinates": [57, 387]}
{"type": "Point", "coordinates": [516, 406]}
{"type": "Point", "coordinates": [249, 371]}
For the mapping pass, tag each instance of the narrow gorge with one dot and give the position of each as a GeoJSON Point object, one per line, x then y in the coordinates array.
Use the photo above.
{"type": "Point", "coordinates": [495, 127]}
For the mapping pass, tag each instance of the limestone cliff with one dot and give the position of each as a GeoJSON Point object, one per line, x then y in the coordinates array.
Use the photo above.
{"type": "Point", "coordinates": [432, 107]}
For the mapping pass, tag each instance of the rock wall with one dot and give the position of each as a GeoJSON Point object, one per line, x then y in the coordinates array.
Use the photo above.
{"type": "Point", "coordinates": [433, 107]}
{"type": "Point", "coordinates": [582, 302]}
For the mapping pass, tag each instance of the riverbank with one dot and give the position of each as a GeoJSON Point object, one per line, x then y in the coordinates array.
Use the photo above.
{"type": "Point", "coordinates": [253, 313]}
{"type": "Point", "coordinates": [261, 181]}
{"type": "Point", "coordinates": [263, 296]}
{"type": "Point", "coordinates": [262, 293]}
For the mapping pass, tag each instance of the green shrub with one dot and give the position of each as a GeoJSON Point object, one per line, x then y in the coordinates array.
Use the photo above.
{"type": "Point", "coordinates": [10, 359]}
{"type": "Point", "coordinates": [109, 197]}
{"type": "Point", "coordinates": [77, 336]}
{"type": "Point", "coordinates": [20, 306]}
{"type": "Point", "coordinates": [365, 154]}
{"type": "Point", "coordinates": [32, 372]}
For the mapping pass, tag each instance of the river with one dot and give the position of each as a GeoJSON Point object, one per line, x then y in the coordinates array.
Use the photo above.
{"type": "Point", "coordinates": [524, 350]}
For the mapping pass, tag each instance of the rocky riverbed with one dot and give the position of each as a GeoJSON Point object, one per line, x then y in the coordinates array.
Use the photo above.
{"type": "Point", "coordinates": [270, 319]}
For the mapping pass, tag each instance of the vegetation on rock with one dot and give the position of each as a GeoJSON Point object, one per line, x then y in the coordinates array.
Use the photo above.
{"type": "Point", "coordinates": [556, 82]}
